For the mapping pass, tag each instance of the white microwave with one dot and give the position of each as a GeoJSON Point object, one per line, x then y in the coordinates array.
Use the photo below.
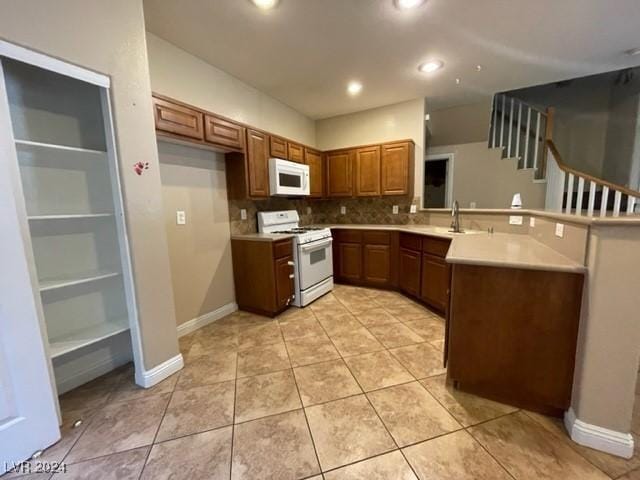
{"type": "Point", "coordinates": [288, 179]}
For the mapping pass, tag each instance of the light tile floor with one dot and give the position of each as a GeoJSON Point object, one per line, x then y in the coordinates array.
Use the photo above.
{"type": "Point", "coordinates": [350, 388]}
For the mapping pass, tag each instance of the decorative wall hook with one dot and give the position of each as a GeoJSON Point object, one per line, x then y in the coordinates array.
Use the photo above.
{"type": "Point", "coordinates": [140, 167]}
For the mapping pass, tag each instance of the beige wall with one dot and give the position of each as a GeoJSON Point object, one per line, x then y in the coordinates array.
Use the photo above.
{"type": "Point", "coordinates": [463, 124]}
{"type": "Point", "coordinates": [193, 180]}
{"type": "Point", "coordinates": [182, 76]}
{"type": "Point", "coordinates": [609, 339]}
{"type": "Point", "coordinates": [109, 37]}
{"type": "Point", "coordinates": [480, 175]}
{"type": "Point", "coordinates": [393, 122]}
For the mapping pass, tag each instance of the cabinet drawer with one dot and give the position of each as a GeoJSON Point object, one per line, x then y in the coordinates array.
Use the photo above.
{"type": "Point", "coordinates": [348, 236]}
{"type": "Point", "coordinates": [177, 119]}
{"type": "Point", "coordinates": [376, 238]}
{"type": "Point", "coordinates": [278, 147]}
{"type": "Point", "coordinates": [411, 242]}
{"type": "Point", "coordinates": [282, 248]}
{"type": "Point", "coordinates": [435, 246]}
{"type": "Point", "coordinates": [224, 133]}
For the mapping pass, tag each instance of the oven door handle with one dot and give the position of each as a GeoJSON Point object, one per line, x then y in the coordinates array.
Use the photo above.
{"type": "Point", "coordinates": [315, 246]}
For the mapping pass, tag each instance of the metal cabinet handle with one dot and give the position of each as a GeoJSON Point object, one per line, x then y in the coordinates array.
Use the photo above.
{"type": "Point", "coordinates": [291, 276]}
{"type": "Point", "coordinates": [291, 264]}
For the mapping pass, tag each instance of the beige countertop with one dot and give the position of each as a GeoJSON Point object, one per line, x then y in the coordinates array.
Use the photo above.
{"type": "Point", "coordinates": [261, 237]}
{"type": "Point", "coordinates": [481, 248]}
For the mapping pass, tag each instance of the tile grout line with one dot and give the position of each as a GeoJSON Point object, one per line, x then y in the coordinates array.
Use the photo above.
{"type": "Point", "coordinates": [304, 412]}
{"type": "Point", "coordinates": [233, 418]}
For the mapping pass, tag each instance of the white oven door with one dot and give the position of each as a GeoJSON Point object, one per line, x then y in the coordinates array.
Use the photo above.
{"type": "Point", "coordinates": [315, 262]}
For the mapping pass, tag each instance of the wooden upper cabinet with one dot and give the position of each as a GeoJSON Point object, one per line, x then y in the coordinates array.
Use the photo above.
{"type": "Point", "coordinates": [397, 168]}
{"type": "Point", "coordinates": [339, 173]}
{"type": "Point", "coordinates": [316, 173]}
{"type": "Point", "coordinates": [367, 171]}
{"type": "Point", "coordinates": [278, 147]}
{"type": "Point", "coordinates": [178, 119]}
{"type": "Point", "coordinates": [223, 132]}
{"type": "Point", "coordinates": [295, 152]}
{"type": "Point", "coordinates": [258, 163]}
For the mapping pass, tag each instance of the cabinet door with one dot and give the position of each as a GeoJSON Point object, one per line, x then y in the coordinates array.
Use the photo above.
{"type": "Point", "coordinates": [177, 119]}
{"type": "Point", "coordinates": [367, 171]}
{"type": "Point", "coordinates": [339, 180]}
{"type": "Point", "coordinates": [410, 265]}
{"type": "Point", "coordinates": [377, 264]}
{"type": "Point", "coordinates": [350, 261]}
{"type": "Point", "coordinates": [396, 166]}
{"type": "Point", "coordinates": [295, 152]}
{"type": "Point", "coordinates": [435, 282]}
{"type": "Point", "coordinates": [316, 173]}
{"type": "Point", "coordinates": [284, 281]}
{"type": "Point", "coordinates": [278, 147]}
{"type": "Point", "coordinates": [257, 164]}
{"type": "Point", "coordinates": [224, 133]}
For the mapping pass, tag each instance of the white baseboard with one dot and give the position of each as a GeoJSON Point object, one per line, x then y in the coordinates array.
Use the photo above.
{"type": "Point", "coordinates": [206, 319]}
{"type": "Point", "coordinates": [160, 372]}
{"type": "Point", "coordinates": [598, 438]}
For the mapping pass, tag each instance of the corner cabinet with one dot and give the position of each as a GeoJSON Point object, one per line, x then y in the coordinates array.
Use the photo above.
{"type": "Point", "coordinates": [268, 265]}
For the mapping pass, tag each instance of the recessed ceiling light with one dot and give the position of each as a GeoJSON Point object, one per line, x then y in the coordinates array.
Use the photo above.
{"type": "Point", "coordinates": [432, 66]}
{"type": "Point", "coordinates": [457, 81]}
{"type": "Point", "coordinates": [354, 88]}
{"type": "Point", "coordinates": [633, 51]}
{"type": "Point", "coordinates": [478, 68]}
{"type": "Point", "coordinates": [265, 4]}
{"type": "Point", "coordinates": [407, 4]}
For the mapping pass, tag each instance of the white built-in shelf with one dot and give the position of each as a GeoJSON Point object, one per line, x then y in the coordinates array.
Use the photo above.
{"type": "Point", "coordinates": [70, 216]}
{"type": "Point", "coordinates": [87, 336]}
{"type": "Point", "coordinates": [49, 284]}
{"type": "Point", "coordinates": [53, 146]}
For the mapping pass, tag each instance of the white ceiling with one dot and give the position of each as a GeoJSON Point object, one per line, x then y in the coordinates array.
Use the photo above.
{"type": "Point", "coordinates": [304, 52]}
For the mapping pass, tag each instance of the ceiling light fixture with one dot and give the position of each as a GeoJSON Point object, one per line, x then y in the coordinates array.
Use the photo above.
{"type": "Point", "coordinates": [430, 67]}
{"type": "Point", "coordinates": [354, 88]}
{"type": "Point", "coordinates": [407, 4]}
{"type": "Point", "coordinates": [457, 81]}
{"type": "Point", "coordinates": [478, 68]}
{"type": "Point", "coordinates": [265, 4]}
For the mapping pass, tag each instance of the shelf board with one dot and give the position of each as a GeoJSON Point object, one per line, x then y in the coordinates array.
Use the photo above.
{"type": "Point", "coordinates": [53, 146]}
{"type": "Point", "coordinates": [49, 284]}
{"type": "Point", "coordinates": [87, 336]}
{"type": "Point", "coordinates": [70, 216]}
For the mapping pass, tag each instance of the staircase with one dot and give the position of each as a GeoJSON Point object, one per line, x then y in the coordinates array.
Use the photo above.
{"type": "Point", "coordinates": [525, 133]}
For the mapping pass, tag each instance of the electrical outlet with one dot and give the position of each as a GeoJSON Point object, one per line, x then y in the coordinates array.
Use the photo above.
{"type": "Point", "coordinates": [243, 214]}
{"type": "Point", "coordinates": [559, 230]}
{"type": "Point", "coordinates": [395, 210]}
{"type": "Point", "coordinates": [515, 220]}
{"type": "Point", "coordinates": [308, 210]}
{"type": "Point", "coordinates": [532, 222]}
{"type": "Point", "coordinates": [413, 208]}
{"type": "Point", "coordinates": [343, 210]}
{"type": "Point", "coordinates": [181, 217]}
{"type": "Point", "coordinates": [472, 204]}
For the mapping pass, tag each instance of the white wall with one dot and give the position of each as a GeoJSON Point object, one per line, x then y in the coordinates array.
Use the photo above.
{"type": "Point", "coordinates": [180, 75]}
{"type": "Point", "coordinates": [392, 122]}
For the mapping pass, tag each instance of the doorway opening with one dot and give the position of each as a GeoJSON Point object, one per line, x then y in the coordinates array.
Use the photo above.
{"type": "Point", "coordinates": [438, 181]}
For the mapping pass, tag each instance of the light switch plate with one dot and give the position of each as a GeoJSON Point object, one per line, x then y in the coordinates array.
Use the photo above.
{"type": "Point", "coordinates": [181, 217]}
{"type": "Point", "coordinates": [472, 204]}
{"type": "Point", "coordinates": [395, 210]}
{"type": "Point", "coordinates": [243, 214]}
{"type": "Point", "coordinates": [515, 220]}
{"type": "Point", "coordinates": [413, 208]}
{"type": "Point", "coordinates": [343, 210]}
{"type": "Point", "coordinates": [559, 230]}
{"type": "Point", "coordinates": [532, 222]}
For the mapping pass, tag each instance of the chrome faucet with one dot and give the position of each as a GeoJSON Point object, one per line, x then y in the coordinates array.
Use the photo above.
{"type": "Point", "coordinates": [455, 213]}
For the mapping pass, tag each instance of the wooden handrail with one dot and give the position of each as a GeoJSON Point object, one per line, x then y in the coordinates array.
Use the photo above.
{"type": "Point", "coordinates": [586, 176]}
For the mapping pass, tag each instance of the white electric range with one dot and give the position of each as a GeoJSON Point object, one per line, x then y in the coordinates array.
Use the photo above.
{"type": "Point", "coordinates": [312, 254]}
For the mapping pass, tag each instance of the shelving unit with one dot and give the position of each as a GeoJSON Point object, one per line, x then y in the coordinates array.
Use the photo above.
{"type": "Point", "coordinates": [61, 128]}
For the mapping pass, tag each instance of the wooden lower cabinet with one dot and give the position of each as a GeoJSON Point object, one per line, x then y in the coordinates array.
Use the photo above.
{"type": "Point", "coordinates": [512, 335]}
{"type": "Point", "coordinates": [434, 284]}
{"type": "Point", "coordinates": [376, 264]}
{"type": "Point", "coordinates": [410, 266]}
{"type": "Point", "coordinates": [350, 262]}
{"type": "Point", "coordinates": [263, 275]}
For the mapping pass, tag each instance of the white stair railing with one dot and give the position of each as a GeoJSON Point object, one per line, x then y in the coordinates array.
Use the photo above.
{"type": "Point", "coordinates": [562, 180]}
{"type": "Point", "coordinates": [520, 130]}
